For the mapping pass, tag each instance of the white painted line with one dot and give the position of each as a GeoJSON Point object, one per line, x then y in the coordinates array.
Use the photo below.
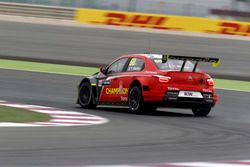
{"type": "Point", "coordinates": [206, 164]}
{"type": "Point", "coordinates": [52, 112]}
{"type": "Point", "coordinates": [117, 166]}
{"type": "Point", "coordinates": [188, 164]}
{"type": "Point", "coordinates": [59, 117]}
{"type": "Point", "coordinates": [9, 124]}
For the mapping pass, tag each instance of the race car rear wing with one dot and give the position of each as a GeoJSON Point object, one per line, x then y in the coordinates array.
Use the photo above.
{"type": "Point", "coordinates": [215, 61]}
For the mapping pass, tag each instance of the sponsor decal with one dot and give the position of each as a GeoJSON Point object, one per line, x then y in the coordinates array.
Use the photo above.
{"type": "Point", "coordinates": [103, 83]}
{"type": "Point", "coordinates": [124, 98]}
{"type": "Point", "coordinates": [207, 91]}
{"type": "Point", "coordinates": [172, 88]}
{"type": "Point", "coordinates": [129, 19]}
{"type": "Point", "coordinates": [100, 83]}
{"type": "Point", "coordinates": [209, 96]}
{"type": "Point", "coordinates": [115, 91]}
{"type": "Point", "coordinates": [163, 22]}
{"type": "Point", "coordinates": [106, 82]}
{"type": "Point", "coordinates": [188, 94]}
{"type": "Point", "coordinates": [234, 28]}
{"type": "Point", "coordinates": [137, 20]}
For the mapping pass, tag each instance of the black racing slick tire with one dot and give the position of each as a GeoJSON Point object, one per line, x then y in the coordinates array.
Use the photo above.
{"type": "Point", "coordinates": [135, 100]}
{"type": "Point", "coordinates": [201, 112]}
{"type": "Point", "coordinates": [85, 96]}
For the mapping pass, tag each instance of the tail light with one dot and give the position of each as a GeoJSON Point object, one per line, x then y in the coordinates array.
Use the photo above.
{"type": "Point", "coordinates": [210, 82]}
{"type": "Point", "coordinates": [163, 79]}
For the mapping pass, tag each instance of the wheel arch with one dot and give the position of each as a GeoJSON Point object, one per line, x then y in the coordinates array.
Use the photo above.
{"type": "Point", "coordinates": [135, 83]}
{"type": "Point", "coordinates": [84, 80]}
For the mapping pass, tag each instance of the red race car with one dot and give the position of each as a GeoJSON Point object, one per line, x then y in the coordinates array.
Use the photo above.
{"type": "Point", "coordinates": [144, 82]}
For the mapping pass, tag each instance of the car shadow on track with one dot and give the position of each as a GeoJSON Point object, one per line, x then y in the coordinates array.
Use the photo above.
{"type": "Point", "coordinates": [158, 112]}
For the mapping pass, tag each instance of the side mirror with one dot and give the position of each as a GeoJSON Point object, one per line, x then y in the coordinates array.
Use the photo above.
{"type": "Point", "coordinates": [103, 69]}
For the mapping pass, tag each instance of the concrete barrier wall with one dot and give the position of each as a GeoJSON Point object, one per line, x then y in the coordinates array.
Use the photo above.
{"type": "Point", "coordinates": [173, 7]}
{"type": "Point", "coordinates": [41, 11]}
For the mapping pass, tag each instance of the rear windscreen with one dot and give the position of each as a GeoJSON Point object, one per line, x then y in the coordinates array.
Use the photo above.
{"type": "Point", "coordinates": [173, 65]}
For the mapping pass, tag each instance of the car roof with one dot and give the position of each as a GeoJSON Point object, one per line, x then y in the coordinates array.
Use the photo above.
{"type": "Point", "coordinates": [144, 56]}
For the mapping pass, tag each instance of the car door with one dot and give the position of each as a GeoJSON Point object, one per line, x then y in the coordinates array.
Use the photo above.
{"type": "Point", "coordinates": [132, 71]}
{"type": "Point", "coordinates": [110, 85]}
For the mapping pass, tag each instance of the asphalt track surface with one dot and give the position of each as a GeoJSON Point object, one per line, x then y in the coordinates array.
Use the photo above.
{"type": "Point", "coordinates": [164, 136]}
{"type": "Point", "coordinates": [90, 46]}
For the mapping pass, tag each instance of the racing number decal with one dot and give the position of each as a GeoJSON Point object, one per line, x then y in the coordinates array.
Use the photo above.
{"type": "Point", "coordinates": [132, 62]}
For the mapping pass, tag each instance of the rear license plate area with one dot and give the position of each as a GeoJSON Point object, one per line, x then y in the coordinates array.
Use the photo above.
{"type": "Point", "coordinates": [190, 94]}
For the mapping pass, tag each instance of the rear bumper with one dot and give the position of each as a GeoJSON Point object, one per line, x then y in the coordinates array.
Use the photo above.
{"type": "Point", "coordinates": [171, 99]}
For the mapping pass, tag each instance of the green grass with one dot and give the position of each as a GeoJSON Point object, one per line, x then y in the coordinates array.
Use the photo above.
{"type": "Point", "coordinates": [83, 71]}
{"type": "Point", "coordinates": [232, 85]}
{"type": "Point", "coordinates": [17, 115]}
{"type": "Point", "coordinates": [47, 68]}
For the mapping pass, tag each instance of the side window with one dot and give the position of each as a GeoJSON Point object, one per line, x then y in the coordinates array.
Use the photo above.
{"type": "Point", "coordinates": [117, 66]}
{"type": "Point", "coordinates": [135, 64]}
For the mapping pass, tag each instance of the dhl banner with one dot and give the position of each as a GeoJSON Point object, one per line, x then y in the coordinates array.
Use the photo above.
{"type": "Point", "coordinates": [163, 22]}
